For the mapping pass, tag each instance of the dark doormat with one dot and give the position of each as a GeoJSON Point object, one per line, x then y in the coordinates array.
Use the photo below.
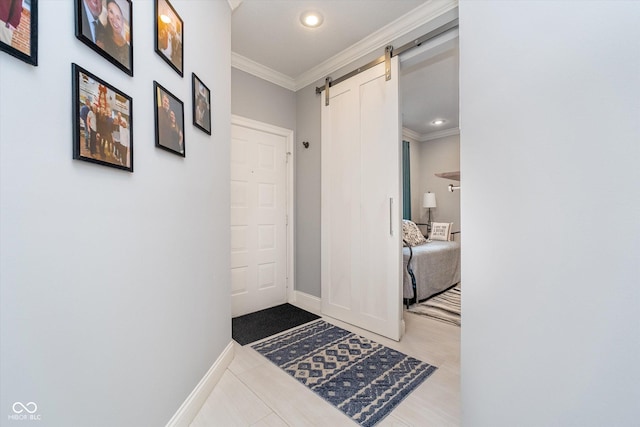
{"type": "Point", "coordinates": [264, 323]}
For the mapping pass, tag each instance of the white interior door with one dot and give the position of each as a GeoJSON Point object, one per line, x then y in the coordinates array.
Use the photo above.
{"type": "Point", "coordinates": [361, 232]}
{"type": "Point", "coordinates": [258, 219]}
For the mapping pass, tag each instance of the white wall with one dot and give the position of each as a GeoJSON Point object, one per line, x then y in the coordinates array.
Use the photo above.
{"type": "Point", "coordinates": [435, 156]}
{"type": "Point", "coordinates": [114, 286]}
{"type": "Point", "coordinates": [550, 147]}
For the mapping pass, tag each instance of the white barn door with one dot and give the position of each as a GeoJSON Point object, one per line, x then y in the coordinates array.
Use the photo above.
{"type": "Point", "coordinates": [259, 238]}
{"type": "Point", "coordinates": [361, 263]}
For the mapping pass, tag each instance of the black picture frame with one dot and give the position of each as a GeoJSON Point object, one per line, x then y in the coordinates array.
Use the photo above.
{"type": "Point", "coordinates": [111, 36]}
{"type": "Point", "coordinates": [169, 121]}
{"type": "Point", "coordinates": [201, 102]}
{"type": "Point", "coordinates": [103, 134]}
{"type": "Point", "coordinates": [169, 39]}
{"type": "Point", "coordinates": [18, 29]}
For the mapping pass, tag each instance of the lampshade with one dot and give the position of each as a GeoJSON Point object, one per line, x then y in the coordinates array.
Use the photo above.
{"type": "Point", "coordinates": [429, 200]}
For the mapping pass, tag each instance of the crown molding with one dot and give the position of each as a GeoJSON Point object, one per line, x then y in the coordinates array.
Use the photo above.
{"type": "Point", "coordinates": [233, 4]}
{"type": "Point", "coordinates": [439, 134]}
{"type": "Point", "coordinates": [408, 133]}
{"type": "Point", "coordinates": [245, 64]}
{"type": "Point", "coordinates": [379, 39]}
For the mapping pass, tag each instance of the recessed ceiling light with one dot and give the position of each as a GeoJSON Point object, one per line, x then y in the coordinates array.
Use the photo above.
{"type": "Point", "coordinates": [311, 19]}
{"type": "Point", "coordinates": [438, 122]}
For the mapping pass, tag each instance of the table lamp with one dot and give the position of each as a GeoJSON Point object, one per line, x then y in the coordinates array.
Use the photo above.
{"type": "Point", "coordinates": [429, 201]}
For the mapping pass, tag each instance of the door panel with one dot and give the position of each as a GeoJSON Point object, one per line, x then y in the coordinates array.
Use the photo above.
{"type": "Point", "coordinates": [258, 220]}
{"type": "Point", "coordinates": [361, 243]}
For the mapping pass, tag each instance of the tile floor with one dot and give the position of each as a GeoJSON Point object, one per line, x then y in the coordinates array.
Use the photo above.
{"type": "Point", "coordinates": [254, 392]}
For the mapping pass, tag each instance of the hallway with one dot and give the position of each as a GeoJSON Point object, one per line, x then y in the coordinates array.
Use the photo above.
{"type": "Point", "coordinates": [254, 392]}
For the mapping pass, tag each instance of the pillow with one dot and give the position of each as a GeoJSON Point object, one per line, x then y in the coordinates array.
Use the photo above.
{"type": "Point", "coordinates": [441, 231]}
{"type": "Point", "coordinates": [412, 234]}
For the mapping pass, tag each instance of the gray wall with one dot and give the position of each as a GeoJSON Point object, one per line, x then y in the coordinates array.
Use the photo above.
{"type": "Point", "coordinates": [438, 155]}
{"type": "Point", "coordinates": [114, 287]}
{"type": "Point", "coordinates": [260, 100]}
{"type": "Point", "coordinates": [550, 119]}
{"type": "Point", "coordinates": [415, 169]}
{"type": "Point", "coordinates": [308, 166]}
{"type": "Point", "coordinates": [308, 193]}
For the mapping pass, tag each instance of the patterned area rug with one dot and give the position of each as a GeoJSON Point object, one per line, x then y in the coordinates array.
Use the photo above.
{"type": "Point", "coordinates": [362, 378]}
{"type": "Point", "coordinates": [444, 307]}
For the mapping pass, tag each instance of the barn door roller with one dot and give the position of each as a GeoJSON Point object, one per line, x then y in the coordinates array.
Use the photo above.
{"type": "Point", "coordinates": [388, 51]}
{"type": "Point", "coordinates": [327, 85]}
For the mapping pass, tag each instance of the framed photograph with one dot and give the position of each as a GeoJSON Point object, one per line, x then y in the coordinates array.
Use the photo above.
{"type": "Point", "coordinates": [19, 29]}
{"type": "Point", "coordinates": [201, 105]}
{"type": "Point", "coordinates": [169, 118]}
{"type": "Point", "coordinates": [102, 121]}
{"type": "Point", "coordinates": [106, 26]}
{"type": "Point", "coordinates": [169, 35]}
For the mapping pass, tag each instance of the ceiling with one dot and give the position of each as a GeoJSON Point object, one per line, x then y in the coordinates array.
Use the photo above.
{"type": "Point", "coordinates": [429, 91]}
{"type": "Point", "coordinates": [268, 40]}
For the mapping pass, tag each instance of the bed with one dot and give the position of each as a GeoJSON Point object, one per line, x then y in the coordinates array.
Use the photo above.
{"type": "Point", "coordinates": [435, 265]}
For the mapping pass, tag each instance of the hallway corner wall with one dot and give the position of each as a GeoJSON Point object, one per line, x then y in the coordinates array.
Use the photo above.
{"type": "Point", "coordinates": [114, 286]}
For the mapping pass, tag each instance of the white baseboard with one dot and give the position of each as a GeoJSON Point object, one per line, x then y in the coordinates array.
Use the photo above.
{"type": "Point", "coordinates": [307, 302]}
{"type": "Point", "coordinates": [190, 408]}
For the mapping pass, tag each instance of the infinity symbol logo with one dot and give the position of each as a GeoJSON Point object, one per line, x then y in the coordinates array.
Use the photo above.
{"type": "Point", "coordinates": [30, 407]}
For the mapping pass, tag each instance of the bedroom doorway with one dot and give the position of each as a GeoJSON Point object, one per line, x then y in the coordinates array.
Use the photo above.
{"type": "Point", "coordinates": [346, 293]}
{"type": "Point", "coordinates": [261, 208]}
{"type": "Point", "coordinates": [430, 122]}
{"type": "Point", "coordinates": [430, 112]}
